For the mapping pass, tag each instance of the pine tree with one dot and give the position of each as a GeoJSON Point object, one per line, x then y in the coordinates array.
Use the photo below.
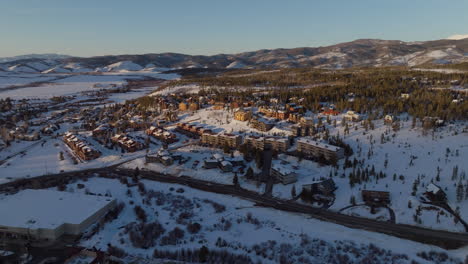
{"type": "Point", "coordinates": [460, 191]}
{"type": "Point", "coordinates": [203, 254]}
{"type": "Point", "coordinates": [466, 191]}
{"type": "Point", "coordinates": [226, 148]}
{"type": "Point", "coordinates": [415, 187]}
{"type": "Point", "coordinates": [250, 173]}
{"type": "Point", "coordinates": [293, 191]}
{"type": "Point", "coordinates": [235, 180]}
{"type": "Point", "coordinates": [455, 173]}
{"type": "Point", "coordinates": [259, 159]}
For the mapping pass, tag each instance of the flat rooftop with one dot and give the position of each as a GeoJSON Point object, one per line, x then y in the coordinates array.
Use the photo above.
{"type": "Point", "coordinates": [48, 208]}
{"type": "Point", "coordinates": [318, 144]}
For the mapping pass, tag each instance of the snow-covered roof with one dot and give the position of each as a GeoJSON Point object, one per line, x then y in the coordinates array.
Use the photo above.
{"type": "Point", "coordinates": [163, 153]}
{"type": "Point", "coordinates": [48, 208]}
{"type": "Point", "coordinates": [211, 160]}
{"type": "Point", "coordinates": [226, 163]}
{"type": "Point", "coordinates": [432, 188]}
{"type": "Point", "coordinates": [218, 156]}
{"type": "Point", "coordinates": [318, 144]}
{"type": "Point", "coordinates": [281, 169]}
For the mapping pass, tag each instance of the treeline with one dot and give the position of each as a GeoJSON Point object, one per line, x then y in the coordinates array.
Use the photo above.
{"type": "Point", "coordinates": [287, 78]}
{"type": "Point", "coordinates": [458, 66]}
{"type": "Point", "coordinates": [372, 91]}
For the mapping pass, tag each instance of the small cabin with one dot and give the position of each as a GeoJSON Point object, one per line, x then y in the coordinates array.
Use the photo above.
{"type": "Point", "coordinates": [225, 166]}
{"type": "Point", "coordinates": [375, 197]}
{"type": "Point", "coordinates": [435, 193]}
{"type": "Point", "coordinates": [389, 119]}
{"type": "Point", "coordinates": [326, 187]}
{"type": "Point", "coordinates": [210, 163]}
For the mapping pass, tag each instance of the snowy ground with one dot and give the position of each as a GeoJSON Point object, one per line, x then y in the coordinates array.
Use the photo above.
{"type": "Point", "coordinates": [236, 226]}
{"type": "Point", "coordinates": [398, 150]}
{"type": "Point", "coordinates": [439, 70]}
{"type": "Point", "coordinates": [403, 156]}
{"type": "Point", "coordinates": [67, 84]}
{"type": "Point", "coordinates": [186, 89]}
{"type": "Point", "coordinates": [9, 79]}
{"type": "Point", "coordinates": [222, 120]}
{"type": "Point", "coordinates": [44, 159]}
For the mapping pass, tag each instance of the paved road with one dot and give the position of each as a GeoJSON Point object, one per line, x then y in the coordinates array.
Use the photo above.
{"type": "Point", "coordinates": [444, 239]}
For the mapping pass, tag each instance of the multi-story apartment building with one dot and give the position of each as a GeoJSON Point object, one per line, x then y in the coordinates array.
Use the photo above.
{"type": "Point", "coordinates": [221, 139]}
{"type": "Point", "coordinates": [317, 149]}
{"type": "Point", "coordinates": [231, 140]}
{"type": "Point", "coordinates": [242, 115]}
{"type": "Point", "coordinates": [127, 143]}
{"type": "Point", "coordinates": [162, 134]}
{"type": "Point", "coordinates": [294, 117]}
{"type": "Point", "coordinates": [80, 147]}
{"type": "Point", "coordinates": [261, 124]}
{"type": "Point", "coordinates": [209, 138]}
{"type": "Point", "coordinates": [279, 144]}
{"type": "Point", "coordinates": [190, 130]}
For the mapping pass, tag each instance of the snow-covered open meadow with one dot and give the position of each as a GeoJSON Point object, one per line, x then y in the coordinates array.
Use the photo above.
{"type": "Point", "coordinates": [178, 218]}
{"type": "Point", "coordinates": [65, 84]}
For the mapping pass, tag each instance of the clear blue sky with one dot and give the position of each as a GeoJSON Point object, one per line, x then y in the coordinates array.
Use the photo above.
{"type": "Point", "coordinates": [101, 27]}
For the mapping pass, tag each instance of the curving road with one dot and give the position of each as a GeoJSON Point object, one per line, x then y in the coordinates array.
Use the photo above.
{"type": "Point", "coordinates": [444, 239]}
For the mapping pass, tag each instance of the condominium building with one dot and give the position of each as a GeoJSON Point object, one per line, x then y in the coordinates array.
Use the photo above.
{"type": "Point", "coordinates": [80, 147]}
{"type": "Point", "coordinates": [261, 124]}
{"type": "Point", "coordinates": [221, 139]}
{"type": "Point", "coordinates": [279, 144]}
{"type": "Point", "coordinates": [231, 140]}
{"type": "Point", "coordinates": [242, 115]}
{"type": "Point", "coordinates": [317, 149]}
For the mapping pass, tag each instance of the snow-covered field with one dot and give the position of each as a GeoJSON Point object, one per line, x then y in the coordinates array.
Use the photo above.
{"type": "Point", "coordinates": [66, 84]}
{"type": "Point", "coordinates": [393, 158]}
{"type": "Point", "coordinates": [186, 89]}
{"type": "Point", "coordinates": [407, 160]}
{"type": "Point", "coordinates": [440, 70]}
{"type": "Point", "coordinates": [236, 225]}
{"type": "Point", "coordinates": [9, 79]}
{"type": "Point", "coordinates": [44, 159]}
{"type": "Point", "coordinates": [221, 120]}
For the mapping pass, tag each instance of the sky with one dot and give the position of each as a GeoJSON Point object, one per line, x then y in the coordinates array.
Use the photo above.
{"type": "Point", "coordinates": [207, 27]}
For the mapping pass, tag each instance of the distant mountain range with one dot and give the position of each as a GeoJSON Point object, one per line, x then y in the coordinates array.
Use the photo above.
{"type": "Point", "coordinates": [362, 52]}
{"type": "Point", "coordinates": [50, 56]}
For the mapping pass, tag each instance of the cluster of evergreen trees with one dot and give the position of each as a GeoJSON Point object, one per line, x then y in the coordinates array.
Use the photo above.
{"type": "Point", "coordinates": [373, 90]}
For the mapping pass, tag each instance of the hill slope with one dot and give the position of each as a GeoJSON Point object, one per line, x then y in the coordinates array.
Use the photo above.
{"type": "Point", "coordinates": [361, 53]}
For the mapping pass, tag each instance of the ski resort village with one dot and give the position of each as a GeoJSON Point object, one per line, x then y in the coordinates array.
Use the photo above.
{"type": "Point", "coordinates": [132, 162]}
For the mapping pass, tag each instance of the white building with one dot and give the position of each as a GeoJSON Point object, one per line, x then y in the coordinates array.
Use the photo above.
{"type": "Point", "coordinates": [48, 214]}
